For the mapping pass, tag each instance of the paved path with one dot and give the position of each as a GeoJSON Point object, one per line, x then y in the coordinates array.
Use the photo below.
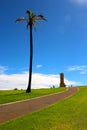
{"type": "Point", "coordinates": [13, 110]}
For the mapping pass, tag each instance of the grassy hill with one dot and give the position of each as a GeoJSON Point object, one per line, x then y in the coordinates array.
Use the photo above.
{"type": "Point", "coordinates": [69, 114]}
{"type": "Point", "coordinates": [17, 95]}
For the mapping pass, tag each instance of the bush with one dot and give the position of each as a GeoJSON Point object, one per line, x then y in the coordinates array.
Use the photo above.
{"type": "Point", "coordinates": [15, 88]}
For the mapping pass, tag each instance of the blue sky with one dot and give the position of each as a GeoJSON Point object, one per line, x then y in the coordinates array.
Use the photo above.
{"type": "Point", "coordinates": [59, 44]}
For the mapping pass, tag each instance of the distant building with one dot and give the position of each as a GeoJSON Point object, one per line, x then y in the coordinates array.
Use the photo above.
{"type": "Point", "coordinates": [62, 84]}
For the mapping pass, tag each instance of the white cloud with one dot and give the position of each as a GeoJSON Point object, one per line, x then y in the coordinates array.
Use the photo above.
{"type": "Point", "coordinates": [46, 80]}
{"type": "Point", "coordinates": [3, 69]}
{"type": "Point", "coordinates": [13, 81]}
{"type": "Point", "coordinates": [82, 69]}
{"type": "Point", "coordinates": [38, 81]}
{"type": "Point", "coordinates": [39, 66]}
{"type": "Point", "coordinates": [82, 72]}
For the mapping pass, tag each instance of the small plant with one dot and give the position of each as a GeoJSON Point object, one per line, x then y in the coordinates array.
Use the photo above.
{"type": "Point", "coordinates": [15, 88]}
{"type": "Point", "coordinates": [53, 86]}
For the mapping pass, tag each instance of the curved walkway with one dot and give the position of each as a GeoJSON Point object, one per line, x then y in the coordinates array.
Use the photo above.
{"type": "Point", "coordinates": [13, 110]}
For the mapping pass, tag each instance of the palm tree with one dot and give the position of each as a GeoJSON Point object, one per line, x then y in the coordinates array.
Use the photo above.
{"type": "Point", "coordinates": [31, 20]}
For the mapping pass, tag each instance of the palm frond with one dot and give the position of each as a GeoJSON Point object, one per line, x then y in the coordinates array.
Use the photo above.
{"type": "Point", "coordinates": [21, 19]}
{"type": "Point", "coordinates": [37, 23]}
{"type": "Point", "coordinates": [41, 17]}
{"type": "Point", "coordinates": [32, 19]}
{"type": "Point", "coordinates": [30, 13]}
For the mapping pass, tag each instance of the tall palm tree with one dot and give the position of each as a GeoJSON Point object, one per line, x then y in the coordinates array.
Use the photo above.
{"type": "Point", "coordinates": [31, 20]}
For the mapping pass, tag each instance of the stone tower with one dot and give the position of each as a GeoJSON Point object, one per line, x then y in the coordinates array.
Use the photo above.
{"type": "Point", "coordinates": [62, 84]}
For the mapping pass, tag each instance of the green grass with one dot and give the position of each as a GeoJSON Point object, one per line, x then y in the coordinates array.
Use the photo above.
{"type": "Point", "coordinates": [69, 114]}
{"type": "Point", "coordinates": [16, 95]}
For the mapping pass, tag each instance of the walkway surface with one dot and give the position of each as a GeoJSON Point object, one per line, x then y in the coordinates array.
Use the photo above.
{"type": "Point", "coordinates": [13, 110]}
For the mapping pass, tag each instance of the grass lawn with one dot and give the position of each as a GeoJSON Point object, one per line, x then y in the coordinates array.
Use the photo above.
{"type": "Point", "coordinates": [16, 95]}
{"type": "Point", "coordinates": [69, 114]}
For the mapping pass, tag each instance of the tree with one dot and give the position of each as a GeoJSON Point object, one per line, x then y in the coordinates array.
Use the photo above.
{"type": "Point", "coordinates": [31, 20]}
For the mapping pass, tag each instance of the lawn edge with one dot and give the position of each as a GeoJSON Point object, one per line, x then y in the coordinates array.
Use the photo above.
{"type": "Point", "coordinates": [31, 98]}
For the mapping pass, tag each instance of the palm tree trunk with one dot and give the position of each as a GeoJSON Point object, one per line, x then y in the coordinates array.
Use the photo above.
{"type": "Point", "coordinates": [31, 59]}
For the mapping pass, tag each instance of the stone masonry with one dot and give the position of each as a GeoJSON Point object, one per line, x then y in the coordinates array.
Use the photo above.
{"type": "Point", "coordinates": [62, 84]}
